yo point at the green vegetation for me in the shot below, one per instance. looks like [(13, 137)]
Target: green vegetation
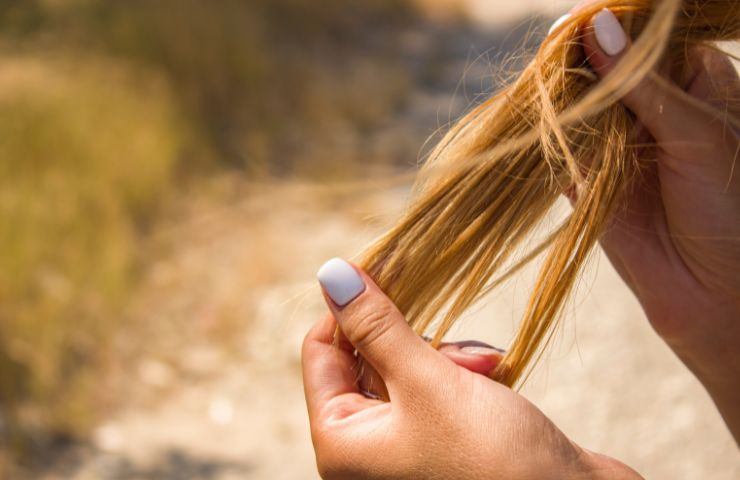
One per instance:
[(259, 79), (84, 160), (107, 108)]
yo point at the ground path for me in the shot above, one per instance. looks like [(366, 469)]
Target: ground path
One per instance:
[(609, 383)]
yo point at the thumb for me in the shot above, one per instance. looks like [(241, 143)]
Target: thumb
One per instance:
[(659, 104), (371, 322)]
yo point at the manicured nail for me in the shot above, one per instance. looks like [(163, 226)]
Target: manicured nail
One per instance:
[(483, 351), (558, 22), (341, 281), (609, 32), (369, 394)]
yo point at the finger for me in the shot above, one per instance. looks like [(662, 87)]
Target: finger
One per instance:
[(659, 104), (372, 384), (328, 371), (555, 26), (477, 357), (372, 323), (713, 78)]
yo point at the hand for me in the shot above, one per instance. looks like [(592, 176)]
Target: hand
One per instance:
[(478, 357), (442, 421), (676, 241)]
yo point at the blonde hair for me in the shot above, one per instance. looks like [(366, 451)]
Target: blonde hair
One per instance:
[(494, 176)]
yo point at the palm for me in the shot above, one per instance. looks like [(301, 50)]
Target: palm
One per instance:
[(675, 240)]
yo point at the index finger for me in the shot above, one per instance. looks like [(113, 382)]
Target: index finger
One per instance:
[(328, 369)]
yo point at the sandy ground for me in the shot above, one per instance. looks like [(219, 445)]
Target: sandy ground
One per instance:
[(609, 383)]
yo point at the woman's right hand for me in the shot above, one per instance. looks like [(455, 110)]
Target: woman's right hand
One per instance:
[(442, 421), (676, 241)]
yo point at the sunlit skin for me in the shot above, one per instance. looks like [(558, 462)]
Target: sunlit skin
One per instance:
[(675, 243), (443, 420)]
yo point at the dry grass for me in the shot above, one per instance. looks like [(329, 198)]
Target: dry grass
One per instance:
[(113, 110), (86, 159)]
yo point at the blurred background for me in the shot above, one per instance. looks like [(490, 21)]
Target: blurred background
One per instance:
[(173, 172)]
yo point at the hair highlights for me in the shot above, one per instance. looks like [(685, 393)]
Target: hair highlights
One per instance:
[(494, 176)]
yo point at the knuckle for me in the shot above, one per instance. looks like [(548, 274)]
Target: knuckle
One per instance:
[(305, 346), (333, 462), (308, 345), (329, 471), (313, 340), (431, 387), (349, 460), (371, 323)]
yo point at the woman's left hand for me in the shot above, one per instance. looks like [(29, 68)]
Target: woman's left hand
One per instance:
[(443, 420)]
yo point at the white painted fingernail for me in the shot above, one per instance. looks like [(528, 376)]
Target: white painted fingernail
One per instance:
[(558, 22), (609, 32), (341, 281), (485, 351)]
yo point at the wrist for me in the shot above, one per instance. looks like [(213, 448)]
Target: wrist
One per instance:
[(710, 351), (725, 393), (584, 464), (703, 332), (601, 467)]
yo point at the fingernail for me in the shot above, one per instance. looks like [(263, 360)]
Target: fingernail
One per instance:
[(483, 351), (369, 394), (609, 32), (341, 281), (558, 22)]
